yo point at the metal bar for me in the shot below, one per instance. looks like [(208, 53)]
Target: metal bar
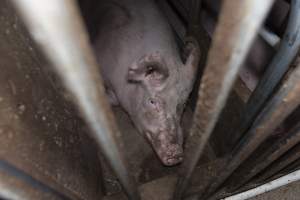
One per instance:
[(253, 184), (288, 49), (17, 185), (287, 179), (278, 108), (265, 159), (57, 27), (232, 40), (176, 23), (280, 164), (195, 12), (180, 8)]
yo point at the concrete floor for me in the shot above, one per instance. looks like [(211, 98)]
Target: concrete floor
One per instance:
[(288, 192)]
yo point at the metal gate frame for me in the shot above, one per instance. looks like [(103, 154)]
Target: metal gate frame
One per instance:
[(53, 27)]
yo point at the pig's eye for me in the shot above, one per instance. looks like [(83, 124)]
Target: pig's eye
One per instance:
[(153, 103), (150, 70)]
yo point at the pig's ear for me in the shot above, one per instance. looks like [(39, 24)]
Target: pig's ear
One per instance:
[(192, 51), (150, 74)]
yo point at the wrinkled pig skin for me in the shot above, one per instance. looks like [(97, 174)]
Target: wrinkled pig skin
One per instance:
[(143, 71)]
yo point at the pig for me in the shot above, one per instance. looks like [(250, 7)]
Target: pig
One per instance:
[(144, 73)]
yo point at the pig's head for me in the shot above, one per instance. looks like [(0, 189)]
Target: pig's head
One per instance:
[(161, 87)]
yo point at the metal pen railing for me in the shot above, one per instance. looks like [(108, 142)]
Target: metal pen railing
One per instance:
[(58, 29), (231, 42)]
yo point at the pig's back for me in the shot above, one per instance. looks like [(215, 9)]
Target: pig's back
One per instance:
[(128, 30)]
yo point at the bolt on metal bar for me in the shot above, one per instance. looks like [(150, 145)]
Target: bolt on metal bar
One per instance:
[(231, 42), (288, 49), (283, 103), (57, 27), (266, 158), (280, 164)]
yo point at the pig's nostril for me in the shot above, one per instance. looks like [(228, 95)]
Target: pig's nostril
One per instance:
[(173, 161)]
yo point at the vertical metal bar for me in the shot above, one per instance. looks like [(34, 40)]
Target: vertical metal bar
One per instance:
[(287, 51), (57, 27), (278, 108), (195, 12), (176, 23), (180, 8), (232, 40), (266, 158)]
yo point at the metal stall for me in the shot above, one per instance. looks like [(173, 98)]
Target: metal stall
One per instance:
[(60, 138)]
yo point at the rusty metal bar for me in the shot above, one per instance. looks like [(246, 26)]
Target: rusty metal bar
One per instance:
[(17, 185), (266, 158), (288, 49), (57, 27), (283, 103), (232, 40)]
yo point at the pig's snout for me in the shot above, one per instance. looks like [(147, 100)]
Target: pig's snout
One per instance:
[(172, 155), (169, 153)]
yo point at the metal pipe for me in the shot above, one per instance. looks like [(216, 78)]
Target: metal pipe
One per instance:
[(280, 164), (288, 49), (283, 103), (287, 179), (265, 159), (232, 40), (18, 185), (180, 8), (57, 27), (195, 10), (176, 23)]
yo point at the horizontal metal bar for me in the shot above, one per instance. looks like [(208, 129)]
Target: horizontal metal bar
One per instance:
[(17, 185), (232, 40), (283, 103), (288, 49), (265, 159), (292, 177), (280, 164), (57, 27)]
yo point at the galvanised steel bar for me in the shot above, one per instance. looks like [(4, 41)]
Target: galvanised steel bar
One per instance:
[(231, 42), (57, 27), (288, 49), (266, 158), (17, 185), (280, 164), (283, 103)]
